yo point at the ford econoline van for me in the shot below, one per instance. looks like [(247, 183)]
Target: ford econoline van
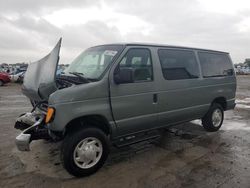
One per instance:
[(120, 94)]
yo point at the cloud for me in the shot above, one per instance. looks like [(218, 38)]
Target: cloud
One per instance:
[(39, 7), (29, 29)]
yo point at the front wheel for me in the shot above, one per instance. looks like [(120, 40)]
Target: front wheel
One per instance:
[(213, 120), (85, 151)]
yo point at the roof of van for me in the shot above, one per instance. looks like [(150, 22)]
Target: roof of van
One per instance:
[(165, 46)]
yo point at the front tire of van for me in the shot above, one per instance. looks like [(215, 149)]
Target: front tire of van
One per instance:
[(84, 151), (213, 120)]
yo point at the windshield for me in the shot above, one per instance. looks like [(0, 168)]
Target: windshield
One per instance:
[(94, 61)]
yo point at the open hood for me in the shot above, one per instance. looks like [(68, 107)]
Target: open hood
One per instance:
[(39, 80)]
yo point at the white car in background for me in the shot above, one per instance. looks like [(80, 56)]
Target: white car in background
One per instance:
[(247, 70), (16, 77)]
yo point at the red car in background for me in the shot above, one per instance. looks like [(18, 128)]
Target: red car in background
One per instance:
[(4, 78)]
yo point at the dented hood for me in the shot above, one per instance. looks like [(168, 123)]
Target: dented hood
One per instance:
[(39, 80)]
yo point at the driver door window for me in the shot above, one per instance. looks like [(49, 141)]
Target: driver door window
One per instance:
[(140, 61)]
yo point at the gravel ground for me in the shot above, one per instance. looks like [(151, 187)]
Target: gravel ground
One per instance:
[(186, 157)]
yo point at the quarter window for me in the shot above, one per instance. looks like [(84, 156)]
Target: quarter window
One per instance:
[(178, 64), (140, 61), (215, 64)]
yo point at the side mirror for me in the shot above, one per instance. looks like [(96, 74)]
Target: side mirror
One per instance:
[(124, 75)]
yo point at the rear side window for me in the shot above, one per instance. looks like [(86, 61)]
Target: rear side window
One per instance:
[(215, 64), (138, 59), (178, 64)]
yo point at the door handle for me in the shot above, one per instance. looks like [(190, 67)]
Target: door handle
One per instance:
[(155, 98)]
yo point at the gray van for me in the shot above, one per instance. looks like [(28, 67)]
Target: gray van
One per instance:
[(120, 94)]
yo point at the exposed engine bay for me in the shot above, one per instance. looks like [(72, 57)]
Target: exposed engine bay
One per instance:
[(64, 81)]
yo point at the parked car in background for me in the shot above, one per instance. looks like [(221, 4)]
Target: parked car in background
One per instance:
[(246, 70), (4, 78), (16, 77), (21, 77), (242, 70), (59, 71)]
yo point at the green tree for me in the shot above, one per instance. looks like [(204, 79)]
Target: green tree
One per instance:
[(247, 62)]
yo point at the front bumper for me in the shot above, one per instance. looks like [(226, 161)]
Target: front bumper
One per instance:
[(35, 132), (23, 140)]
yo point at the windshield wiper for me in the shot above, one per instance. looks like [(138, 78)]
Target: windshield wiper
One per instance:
[(80, 75)]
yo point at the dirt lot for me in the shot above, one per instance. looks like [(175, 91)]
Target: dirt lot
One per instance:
[(188, 157)]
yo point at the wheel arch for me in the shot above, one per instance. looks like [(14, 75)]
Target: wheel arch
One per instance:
[(96, 120), (222, 101)]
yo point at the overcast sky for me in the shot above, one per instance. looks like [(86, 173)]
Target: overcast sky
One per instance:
[(30, 28)]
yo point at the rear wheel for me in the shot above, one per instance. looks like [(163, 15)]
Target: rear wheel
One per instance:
[(85, 151), (213, 120), (1, 83)]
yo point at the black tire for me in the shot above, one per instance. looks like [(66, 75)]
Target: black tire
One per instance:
[(207, 120), (1, 83), (72, 140)]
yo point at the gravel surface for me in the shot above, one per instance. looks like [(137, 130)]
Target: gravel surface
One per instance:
[(185, 156)]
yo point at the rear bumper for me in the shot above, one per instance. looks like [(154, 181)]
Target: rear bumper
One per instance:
[(231, 104)]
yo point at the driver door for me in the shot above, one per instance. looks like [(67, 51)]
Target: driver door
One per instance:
[(134, 105)]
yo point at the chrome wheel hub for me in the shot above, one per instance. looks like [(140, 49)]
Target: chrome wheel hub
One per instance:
[(217, 117), (88, 152)]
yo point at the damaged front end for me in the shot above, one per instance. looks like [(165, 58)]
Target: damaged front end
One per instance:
[(33, 126), (39, 83)]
